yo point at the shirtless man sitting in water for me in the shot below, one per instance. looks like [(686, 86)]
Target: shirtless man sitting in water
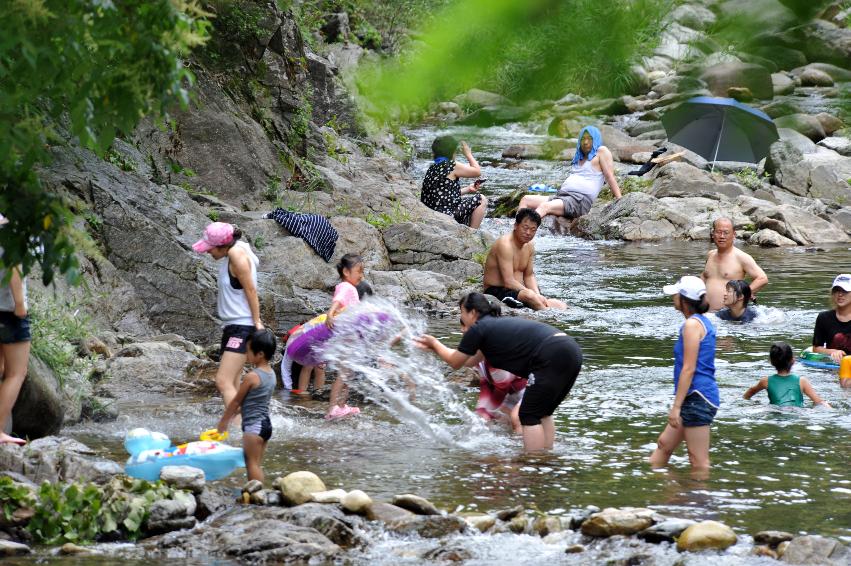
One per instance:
[(509, 268), (726, 263)]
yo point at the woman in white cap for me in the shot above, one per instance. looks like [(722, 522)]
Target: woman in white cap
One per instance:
[(238, 304), (696, 398), (832, 334), (14, 342)]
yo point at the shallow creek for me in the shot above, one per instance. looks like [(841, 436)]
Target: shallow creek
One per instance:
[(771, 469)]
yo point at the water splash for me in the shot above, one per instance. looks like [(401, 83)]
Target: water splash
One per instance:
[(372, 344)]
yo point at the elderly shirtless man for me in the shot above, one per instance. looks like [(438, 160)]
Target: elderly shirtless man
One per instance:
[(726, 263), (509, 268)]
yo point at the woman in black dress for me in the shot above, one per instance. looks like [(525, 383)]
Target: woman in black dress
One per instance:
[(442, 189)]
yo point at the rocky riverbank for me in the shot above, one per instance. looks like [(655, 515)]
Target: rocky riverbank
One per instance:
[(83, 500)]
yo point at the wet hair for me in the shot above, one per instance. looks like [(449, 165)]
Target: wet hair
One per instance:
[(263, 342), (444, 146), (479, 303), (781, 356), (741, 288), (364, 289), (700, 306), (525, 213), (348, 261)]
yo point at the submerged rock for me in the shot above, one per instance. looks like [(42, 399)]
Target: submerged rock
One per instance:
[(706, 535), (297, 488), (416, 504)]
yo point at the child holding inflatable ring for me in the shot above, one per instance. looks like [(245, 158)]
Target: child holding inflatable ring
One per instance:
[(252, 398), (346, 294)]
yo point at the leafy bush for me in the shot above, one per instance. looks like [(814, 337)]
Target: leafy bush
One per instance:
[(56, 327), (13, 497), (750, 179)]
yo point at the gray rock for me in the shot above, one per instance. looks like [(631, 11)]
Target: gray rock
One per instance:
[(209, 502), (829, 122), (772, 538), (621, 145), (252, 486), (265, 497), (478, 98), (55, 459), (681, 179), (770, 239), (842, 218), (336, 27), (824, 41), (171, 514), (415, 504), (413, 243), (722, 76), (781, 83), (151, 366), (799, 141), (453, 553), (815, 77), (666, 531), (38, 410), (812, 549), (429, 526), (804, 124), (10, 548), (387, 513), (184, 477), (576, 517), (840, 145), (801, 226), (694, 16), (838, 74), (269, 540), (623, 521), (327, 519)]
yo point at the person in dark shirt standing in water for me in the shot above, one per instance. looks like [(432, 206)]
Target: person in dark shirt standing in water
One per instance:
[(548, 357), (832, 334)]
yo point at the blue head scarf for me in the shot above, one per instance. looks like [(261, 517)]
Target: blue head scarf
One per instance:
[(596, 142)]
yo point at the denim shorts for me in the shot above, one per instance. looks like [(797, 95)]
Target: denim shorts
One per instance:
[(14, 329), (696, 411)]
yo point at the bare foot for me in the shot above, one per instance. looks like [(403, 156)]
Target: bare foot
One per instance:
[(6, 439)]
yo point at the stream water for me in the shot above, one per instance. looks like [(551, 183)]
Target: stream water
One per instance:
[(770, 470)]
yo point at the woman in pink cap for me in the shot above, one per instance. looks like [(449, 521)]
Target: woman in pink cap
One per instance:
[(14, 342), (238, 305)]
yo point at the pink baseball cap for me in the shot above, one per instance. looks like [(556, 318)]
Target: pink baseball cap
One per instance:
[(216, 234)]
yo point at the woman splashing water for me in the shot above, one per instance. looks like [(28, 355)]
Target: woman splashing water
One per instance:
[(549, 358)]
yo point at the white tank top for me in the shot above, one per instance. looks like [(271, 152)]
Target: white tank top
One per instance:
[(233, 304), (584, 179)]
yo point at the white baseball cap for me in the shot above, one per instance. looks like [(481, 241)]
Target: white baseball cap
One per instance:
[(843, 281), (3, 220), (688, 286)]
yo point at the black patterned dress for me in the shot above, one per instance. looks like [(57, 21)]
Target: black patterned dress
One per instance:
[(443, 194)]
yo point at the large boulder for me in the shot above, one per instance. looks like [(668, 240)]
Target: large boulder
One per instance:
[(719, 78), (838, 74), (840, 145), (812, 549), (781, 83), (153, 367), (706, 535), (38, 410), (815, 77), (825, 41), (768, 238), (56, 459), (410, 243), (805, 124), (622, 145), (800, 226), (681, 179), (823, 174)]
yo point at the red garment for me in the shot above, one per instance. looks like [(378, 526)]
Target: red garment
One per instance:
[(499, 389)]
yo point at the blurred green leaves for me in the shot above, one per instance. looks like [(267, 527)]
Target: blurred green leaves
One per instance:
[(96, 67), (535, 49)]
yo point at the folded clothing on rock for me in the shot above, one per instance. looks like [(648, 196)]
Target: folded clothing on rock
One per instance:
[(314, 229)]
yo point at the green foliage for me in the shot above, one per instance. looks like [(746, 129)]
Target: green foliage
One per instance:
[(213, 215), (121, 161), (382, 220), (259, 242), (535, 49), (66, 513), (57, 326), (628, 184), (13, 496), (480, 258), (750, 179), (96, 67), (179, 169), (80, 512)]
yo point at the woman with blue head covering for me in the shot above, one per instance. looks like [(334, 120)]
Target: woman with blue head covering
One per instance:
[(592, 166)]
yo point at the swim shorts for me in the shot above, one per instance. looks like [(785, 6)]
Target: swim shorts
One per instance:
[(235, 338), (14, 329), (554, 369), (503, 293), (696, 411), (575, 204), (261, 428)]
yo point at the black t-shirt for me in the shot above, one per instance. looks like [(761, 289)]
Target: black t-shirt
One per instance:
[(829, 330), (508, 343), (748, 315)]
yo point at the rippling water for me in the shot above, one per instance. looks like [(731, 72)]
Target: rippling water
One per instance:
[(784, 470)]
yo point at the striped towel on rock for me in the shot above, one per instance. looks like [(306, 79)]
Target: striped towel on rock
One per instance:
[(314, 229)]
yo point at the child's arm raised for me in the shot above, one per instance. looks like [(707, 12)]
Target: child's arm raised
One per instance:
[(760, 385), (809, 391), (249, 382)]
